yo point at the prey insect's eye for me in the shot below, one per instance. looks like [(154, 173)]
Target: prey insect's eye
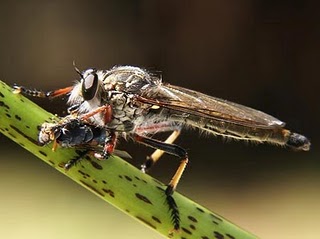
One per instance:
[(89, 86)]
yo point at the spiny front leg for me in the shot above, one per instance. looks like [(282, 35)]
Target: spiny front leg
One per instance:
[(182, 154), (41, 94)]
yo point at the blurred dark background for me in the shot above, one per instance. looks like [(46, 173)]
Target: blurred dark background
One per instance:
[(264, 54)]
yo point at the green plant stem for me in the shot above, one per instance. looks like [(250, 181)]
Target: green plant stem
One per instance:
[(114, 180)]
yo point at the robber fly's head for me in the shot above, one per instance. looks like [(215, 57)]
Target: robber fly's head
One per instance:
[(87, 89), (89, 84)]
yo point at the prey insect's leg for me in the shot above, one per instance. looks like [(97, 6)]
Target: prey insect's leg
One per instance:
[(156, 155), (54, 146), (75, 160), (182, 154)]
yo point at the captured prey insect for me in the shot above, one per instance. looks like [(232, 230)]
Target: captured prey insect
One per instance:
[(71, 132), (138, 104)]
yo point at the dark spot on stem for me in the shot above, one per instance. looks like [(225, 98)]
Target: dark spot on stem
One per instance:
[(84, 174), (191, 218), (128, 178), (109, 192), (13, 136), (146, 222), (215, 217), (156, 219), (186, 230), (143, 198), (231, 237), (2, 104), (157, 181), (96, 165), (18, 117), (43, 153), (161, 189), (24, 135), (61, 165), (200, 210), (218, 235), (91, 188), (192, 227)]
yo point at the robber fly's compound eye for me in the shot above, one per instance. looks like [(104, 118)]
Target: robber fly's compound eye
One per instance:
[(89, 86)]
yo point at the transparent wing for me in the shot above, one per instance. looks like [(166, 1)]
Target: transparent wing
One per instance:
[(199, 104)]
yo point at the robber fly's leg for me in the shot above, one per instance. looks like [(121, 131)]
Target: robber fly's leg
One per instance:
[(109, 146), (107, 113), (156, 128), (156, 155), (73, 109), (41, 94), (182, 154), (75, 160)]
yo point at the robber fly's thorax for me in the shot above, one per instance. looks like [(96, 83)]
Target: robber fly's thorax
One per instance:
[(125, 112), (125, 79), (118, 88)]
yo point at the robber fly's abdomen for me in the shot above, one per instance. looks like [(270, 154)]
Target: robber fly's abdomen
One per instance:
[(273, 135)]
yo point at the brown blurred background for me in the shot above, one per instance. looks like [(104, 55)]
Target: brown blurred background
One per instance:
[(264, 54)]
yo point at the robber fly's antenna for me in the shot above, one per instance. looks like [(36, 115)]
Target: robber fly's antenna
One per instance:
[(76, 68)]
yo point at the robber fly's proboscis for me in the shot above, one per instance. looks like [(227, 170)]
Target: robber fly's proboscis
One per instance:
[(129, 101)]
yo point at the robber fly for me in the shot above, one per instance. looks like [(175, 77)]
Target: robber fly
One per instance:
[(130, 100)]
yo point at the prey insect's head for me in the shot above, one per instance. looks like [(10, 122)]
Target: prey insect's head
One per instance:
[(48, 133)]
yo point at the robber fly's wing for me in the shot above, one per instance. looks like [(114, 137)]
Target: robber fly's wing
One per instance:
[(199, 104)]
